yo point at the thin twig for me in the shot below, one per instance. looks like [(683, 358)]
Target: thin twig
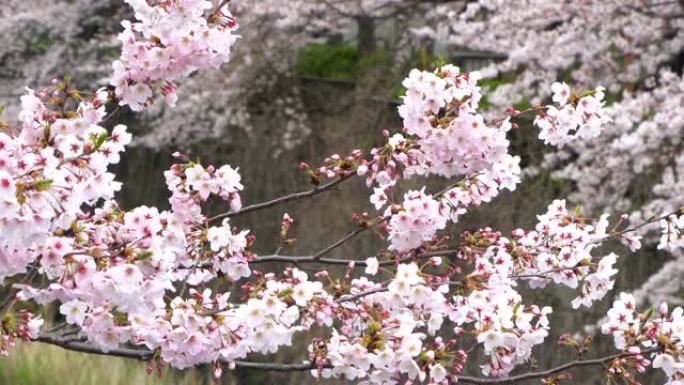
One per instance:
[(283, 199), (550, 372), (338, 243)]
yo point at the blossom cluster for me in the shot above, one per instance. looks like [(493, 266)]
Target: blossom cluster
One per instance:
[(418, 220), (563, 243), (488, 306), (448, 136), (507, 328), (336, 165), (210, 329), (140, 276), (444, 133), (170, 40), (391, 332), (111, 269), (573, 117), (23, 326), (672, 232), (559, 250), (645, 135), (205, 327), (55, 163), (440, 112), (659, 332)]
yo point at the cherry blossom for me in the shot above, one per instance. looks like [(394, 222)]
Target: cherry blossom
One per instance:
[(136, 280), (672, 232), (584, 118), (169, 41), (418, 220), (660, 333), (371, 266)]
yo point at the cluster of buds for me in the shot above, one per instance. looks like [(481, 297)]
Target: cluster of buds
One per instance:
[(22, 325), (285, 225), (580, 345), (335, 166), (624, 368)]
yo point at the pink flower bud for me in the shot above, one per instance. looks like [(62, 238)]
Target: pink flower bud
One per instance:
[(218, 371), (235, 202), (662, 309)]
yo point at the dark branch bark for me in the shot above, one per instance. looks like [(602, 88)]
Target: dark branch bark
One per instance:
[(145, 355), (338, 243), (85, 347), (336, 261), (547, 373), (286, 198)]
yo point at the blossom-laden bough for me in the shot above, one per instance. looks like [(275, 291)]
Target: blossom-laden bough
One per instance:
[(134, 283)]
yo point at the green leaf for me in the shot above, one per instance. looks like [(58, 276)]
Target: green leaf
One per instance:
[(42, 184), (143, 255), (99, 141)]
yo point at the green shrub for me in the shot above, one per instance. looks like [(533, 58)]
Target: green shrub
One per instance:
[(338, 61)]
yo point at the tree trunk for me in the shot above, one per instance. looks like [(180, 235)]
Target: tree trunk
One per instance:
[(366, 35)]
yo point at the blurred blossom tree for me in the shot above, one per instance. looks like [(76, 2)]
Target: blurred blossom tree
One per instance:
[(150, 284)]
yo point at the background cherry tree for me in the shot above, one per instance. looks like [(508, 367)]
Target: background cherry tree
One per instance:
[(152, 284)]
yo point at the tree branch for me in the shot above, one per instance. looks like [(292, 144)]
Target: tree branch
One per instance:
[(85, 347), (550, 372), (338, 243), (141, 354), (358, 263), (145, 355), (286, 198)]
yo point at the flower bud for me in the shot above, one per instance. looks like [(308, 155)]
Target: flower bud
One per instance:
[(634, 350), (662, 309)]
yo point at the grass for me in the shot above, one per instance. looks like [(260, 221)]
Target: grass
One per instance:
[(338, 61), (40, 364)]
